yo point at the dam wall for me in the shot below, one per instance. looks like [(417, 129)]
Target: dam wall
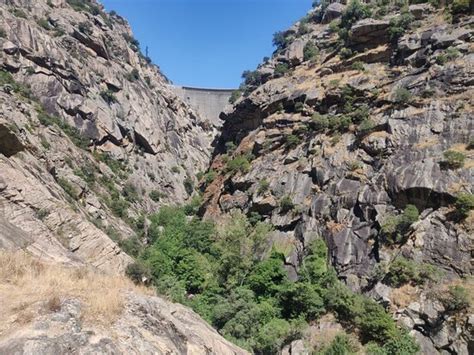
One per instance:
[(208, 103)]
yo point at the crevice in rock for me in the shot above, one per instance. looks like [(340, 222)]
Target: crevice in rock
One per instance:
[(141, 142), (422, 198), (288, 227), (10, 144)]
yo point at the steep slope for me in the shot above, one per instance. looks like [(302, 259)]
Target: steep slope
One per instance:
[(359, 131), (92, 135), (51, 309), (92, 139)]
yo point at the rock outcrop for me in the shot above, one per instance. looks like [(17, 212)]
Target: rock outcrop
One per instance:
[(347, 139), (148, 325), (54, 309)]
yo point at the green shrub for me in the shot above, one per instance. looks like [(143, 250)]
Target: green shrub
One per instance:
[(360, 114), (292, 141), (130, 193), (402, 271), (247, 295), (464, 204), (87, 173), (263, 186), (286, 204), (209, 177), (342, 344), (188, 184), (441, 59), (273, 335), (334, 26), (108, 96), (401, 343), (452, 53), (345, 53), (334, 83), (74, 134), (267, 276), (310, 51), (7, 79), (398, 25), (192, 208), (236, 94), (402, 95), (281, 40), (230, 147), (19, 13), (281, 69), (453, 159), (137, 272), (252, 78), (68, 188), (456, 299), (135, 44), (366, 125), (78, 5), (131, 246), (319, 122), (239, 164), (46, 145), (395, 227), (118, 167), (134, 75), (118, 206), (85, 27), (354, 12), (301, 299), (44, 23), (155, 195), (175, 169), (42, 213), (3, 33), (460, 7), (303, 29), (299, 107), (358, 65)]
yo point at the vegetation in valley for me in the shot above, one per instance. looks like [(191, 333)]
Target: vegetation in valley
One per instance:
[(227, 275)]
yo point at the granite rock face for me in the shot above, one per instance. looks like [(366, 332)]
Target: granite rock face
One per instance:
[(88, 129), (351, 142), (148, 325)]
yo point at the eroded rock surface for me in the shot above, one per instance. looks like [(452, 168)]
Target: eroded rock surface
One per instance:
[(147, 325), (351, 138), (89, 130)]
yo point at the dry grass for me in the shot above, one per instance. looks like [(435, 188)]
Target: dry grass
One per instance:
[(404, 295), (29, 287), (427, 143)]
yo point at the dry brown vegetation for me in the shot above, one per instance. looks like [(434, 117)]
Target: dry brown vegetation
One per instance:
[(29, 287)]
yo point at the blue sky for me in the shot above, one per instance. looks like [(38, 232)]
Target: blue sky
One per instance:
[(208, 43)]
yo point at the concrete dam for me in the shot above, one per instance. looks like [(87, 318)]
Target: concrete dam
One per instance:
[(208, 103)]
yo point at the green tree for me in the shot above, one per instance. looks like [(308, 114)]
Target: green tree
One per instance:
[(464, 204), (267, 276)]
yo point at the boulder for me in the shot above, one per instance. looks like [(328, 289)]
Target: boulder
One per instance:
[(294, 53), (369, 32), (333, 11), (420, 11)]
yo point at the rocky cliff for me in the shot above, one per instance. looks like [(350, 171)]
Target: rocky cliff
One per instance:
[(92, 138), (92, 135), (359, 131)]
